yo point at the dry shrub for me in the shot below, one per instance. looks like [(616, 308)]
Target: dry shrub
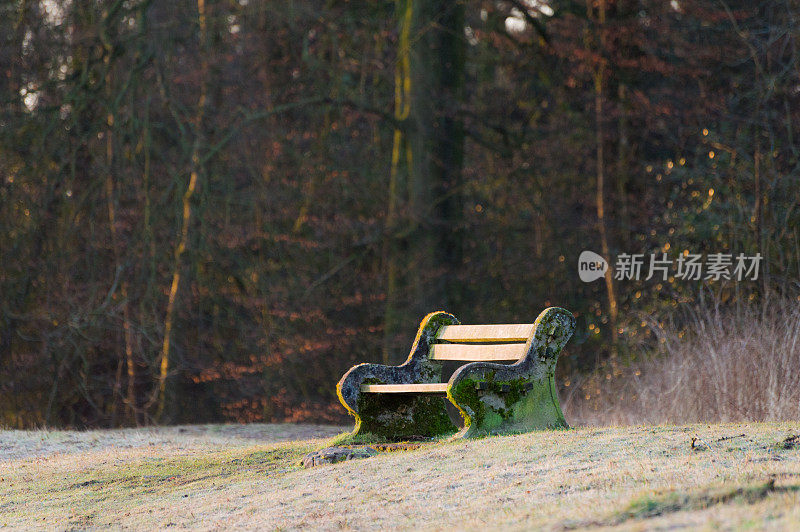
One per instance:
[(740, 364)]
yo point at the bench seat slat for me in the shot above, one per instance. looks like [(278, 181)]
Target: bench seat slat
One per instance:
[(477, 353), (439, 387), (510, 332)]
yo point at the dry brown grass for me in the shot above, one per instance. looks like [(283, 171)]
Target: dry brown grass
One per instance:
[(735, 476), (177, 440), (736, 365)]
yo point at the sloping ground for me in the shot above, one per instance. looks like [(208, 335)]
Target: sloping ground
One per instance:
[(698, 476)]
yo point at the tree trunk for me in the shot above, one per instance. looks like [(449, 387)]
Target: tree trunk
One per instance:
[(600, 176), (429, 88), (391, 247), (183, 238), (436, 138)]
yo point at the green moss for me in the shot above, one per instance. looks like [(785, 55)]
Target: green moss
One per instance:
[(515, 405), (465, 396), (655, 504), (395, 417), (349, 438)]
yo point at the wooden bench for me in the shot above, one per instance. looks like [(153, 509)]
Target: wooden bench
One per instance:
[(507, 383)]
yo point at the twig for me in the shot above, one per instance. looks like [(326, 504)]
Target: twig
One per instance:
[(730, 437)]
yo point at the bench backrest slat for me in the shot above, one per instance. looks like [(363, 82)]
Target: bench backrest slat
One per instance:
[(511, 332), (478, 352)]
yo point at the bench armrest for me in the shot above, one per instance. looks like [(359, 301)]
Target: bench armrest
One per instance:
[(533, 372), (417, 369)]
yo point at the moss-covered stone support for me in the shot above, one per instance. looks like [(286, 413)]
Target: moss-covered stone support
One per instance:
[(399, 416), (492, 398), (498, 398)]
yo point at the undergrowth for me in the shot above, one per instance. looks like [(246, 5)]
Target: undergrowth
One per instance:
[(735, 364)]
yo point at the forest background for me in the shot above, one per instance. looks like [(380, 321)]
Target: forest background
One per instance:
[(211, 209)]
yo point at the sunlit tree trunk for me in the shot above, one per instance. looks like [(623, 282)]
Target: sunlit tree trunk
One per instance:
[(599, 79), (183, 237)]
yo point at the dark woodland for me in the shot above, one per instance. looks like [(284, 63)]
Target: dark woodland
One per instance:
[(211, 209)]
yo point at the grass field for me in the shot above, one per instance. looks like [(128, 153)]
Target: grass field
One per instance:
[(698, 476)]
